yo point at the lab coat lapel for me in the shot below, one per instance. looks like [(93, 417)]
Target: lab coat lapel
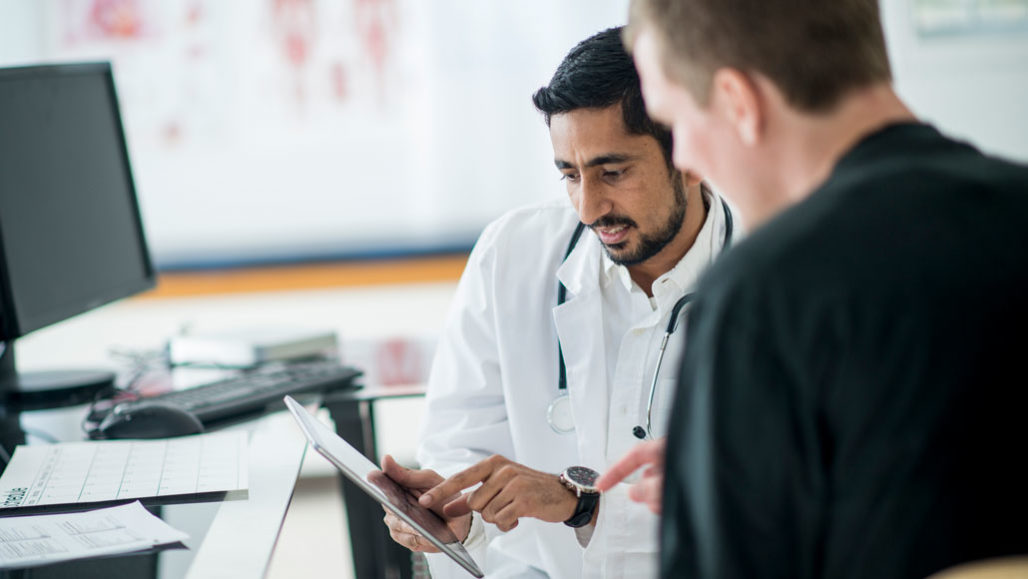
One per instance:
[(579, 323)]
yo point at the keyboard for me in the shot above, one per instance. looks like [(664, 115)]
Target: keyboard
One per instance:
[(255, 390)]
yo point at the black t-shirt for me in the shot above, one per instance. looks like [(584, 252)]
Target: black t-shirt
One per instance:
[(854, 398)]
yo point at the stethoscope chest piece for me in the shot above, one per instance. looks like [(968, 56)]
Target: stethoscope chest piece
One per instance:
[(558, 414)]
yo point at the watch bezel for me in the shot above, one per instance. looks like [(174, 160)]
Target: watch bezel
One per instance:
[(581, 479)]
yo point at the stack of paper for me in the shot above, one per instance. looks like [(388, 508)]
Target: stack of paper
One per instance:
[(41, 539)]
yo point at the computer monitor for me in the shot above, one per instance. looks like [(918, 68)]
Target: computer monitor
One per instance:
[(71, 236)]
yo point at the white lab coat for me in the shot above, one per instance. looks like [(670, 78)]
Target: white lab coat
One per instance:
[(495, 374)]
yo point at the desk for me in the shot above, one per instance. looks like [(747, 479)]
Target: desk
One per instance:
[(356, 314), (227, 539)]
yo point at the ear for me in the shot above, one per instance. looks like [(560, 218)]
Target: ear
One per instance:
[(691, 179), (737, 98)]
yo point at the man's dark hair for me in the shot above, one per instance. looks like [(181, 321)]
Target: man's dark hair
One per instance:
[(596, 74), (814, 51)]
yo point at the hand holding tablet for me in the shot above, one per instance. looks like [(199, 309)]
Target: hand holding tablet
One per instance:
[(369, 478), (416, 482)]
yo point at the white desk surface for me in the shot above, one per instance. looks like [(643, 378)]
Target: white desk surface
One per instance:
[(355, 313)]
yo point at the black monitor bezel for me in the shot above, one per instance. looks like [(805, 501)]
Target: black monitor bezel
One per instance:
[(11, 327)]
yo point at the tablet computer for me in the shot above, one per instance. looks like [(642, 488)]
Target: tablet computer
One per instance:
[(366, 475)]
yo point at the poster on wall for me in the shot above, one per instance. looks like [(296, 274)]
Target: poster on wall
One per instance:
[(185, 65), (293, 130), (258, 128)]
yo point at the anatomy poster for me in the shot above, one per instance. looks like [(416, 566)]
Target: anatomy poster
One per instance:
[(292, 129)]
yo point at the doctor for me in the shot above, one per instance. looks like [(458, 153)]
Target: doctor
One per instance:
[(524, 390)]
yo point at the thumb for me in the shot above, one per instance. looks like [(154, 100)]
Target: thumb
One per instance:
[(411, 479), (393, 469)]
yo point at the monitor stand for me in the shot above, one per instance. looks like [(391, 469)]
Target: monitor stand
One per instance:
[(49, 389)]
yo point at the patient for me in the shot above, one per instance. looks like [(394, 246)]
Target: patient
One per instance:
[(852, 400)]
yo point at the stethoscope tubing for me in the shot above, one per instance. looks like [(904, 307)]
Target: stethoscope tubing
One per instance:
[(672, 325)]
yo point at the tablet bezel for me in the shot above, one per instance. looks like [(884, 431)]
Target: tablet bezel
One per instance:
[(320, 436)]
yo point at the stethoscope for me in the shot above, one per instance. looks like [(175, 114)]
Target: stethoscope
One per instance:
[(558, 414)]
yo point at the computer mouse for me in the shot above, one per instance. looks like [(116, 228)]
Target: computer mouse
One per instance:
[(148, 420)]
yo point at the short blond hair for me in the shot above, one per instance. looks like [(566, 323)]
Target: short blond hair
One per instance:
[(814, 51)]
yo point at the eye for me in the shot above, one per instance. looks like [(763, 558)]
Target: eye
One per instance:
[(613, 174), (570, 177)]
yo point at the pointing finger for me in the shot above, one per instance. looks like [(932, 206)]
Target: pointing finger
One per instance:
[(458, 507), (456, 483), (650, 452)]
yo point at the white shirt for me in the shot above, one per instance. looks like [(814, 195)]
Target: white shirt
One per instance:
[(495, 374)]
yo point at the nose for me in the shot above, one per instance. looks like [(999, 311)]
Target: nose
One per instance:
[(592, 202)]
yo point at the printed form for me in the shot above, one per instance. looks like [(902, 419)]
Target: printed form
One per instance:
[(39, 539), (110, 470)]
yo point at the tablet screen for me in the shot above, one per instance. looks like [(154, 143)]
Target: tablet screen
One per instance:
[(366, 475)]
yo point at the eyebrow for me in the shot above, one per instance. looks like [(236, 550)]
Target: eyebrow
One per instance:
[(611, 159)]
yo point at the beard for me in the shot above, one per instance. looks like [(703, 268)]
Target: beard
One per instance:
[(650, 244)]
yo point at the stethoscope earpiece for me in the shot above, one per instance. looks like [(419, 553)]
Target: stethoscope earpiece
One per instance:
[(639, 432)]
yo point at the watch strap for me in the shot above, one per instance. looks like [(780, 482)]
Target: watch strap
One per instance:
[(587, 503)]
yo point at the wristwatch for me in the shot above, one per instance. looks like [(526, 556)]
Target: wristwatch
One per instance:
[(581, 481)]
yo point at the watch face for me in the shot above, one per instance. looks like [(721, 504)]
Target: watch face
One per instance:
[(584, 477)]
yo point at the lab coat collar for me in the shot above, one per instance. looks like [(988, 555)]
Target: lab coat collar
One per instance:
[(580, 273), (579, 323)]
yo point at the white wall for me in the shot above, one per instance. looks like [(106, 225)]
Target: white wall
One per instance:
[(971, 85), (241, 155), (20, 31)]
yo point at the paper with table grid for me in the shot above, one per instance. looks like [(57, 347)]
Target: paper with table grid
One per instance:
[(111, 470)]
